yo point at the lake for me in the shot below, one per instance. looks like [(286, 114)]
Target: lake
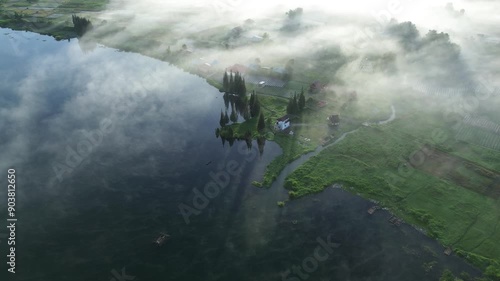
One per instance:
[(113, 148)]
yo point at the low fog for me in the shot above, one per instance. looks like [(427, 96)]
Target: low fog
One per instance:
[(381, 49), (443, 52), (447, 44)]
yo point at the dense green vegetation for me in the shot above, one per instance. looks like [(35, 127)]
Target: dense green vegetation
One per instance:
[(292, 149), (297, 103), (374, 162)]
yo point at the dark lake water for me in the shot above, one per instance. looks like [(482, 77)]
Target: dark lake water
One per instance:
[(110, 146)]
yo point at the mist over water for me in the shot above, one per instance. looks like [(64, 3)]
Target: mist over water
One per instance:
[(106, 211), (143, 130)]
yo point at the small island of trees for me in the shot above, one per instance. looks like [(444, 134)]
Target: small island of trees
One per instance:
[(238, 104)]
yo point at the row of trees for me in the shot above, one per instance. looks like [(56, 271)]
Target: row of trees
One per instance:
[(293, 14), (225, 118), (297, 103), (234, 89), (234, 84), (261, 124), (227, 135), (238, 105), (254, 105)]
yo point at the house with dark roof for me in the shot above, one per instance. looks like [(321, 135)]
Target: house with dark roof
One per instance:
[(334, 120), (282, 123), (316, 87)]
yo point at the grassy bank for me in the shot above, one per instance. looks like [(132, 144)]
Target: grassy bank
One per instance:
[(374, 162)]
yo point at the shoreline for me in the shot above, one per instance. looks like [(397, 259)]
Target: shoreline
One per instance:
[(214, 83)]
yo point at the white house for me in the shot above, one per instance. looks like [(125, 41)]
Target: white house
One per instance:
[(282, 123)]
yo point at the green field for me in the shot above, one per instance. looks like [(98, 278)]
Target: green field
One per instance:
[(450, 204)]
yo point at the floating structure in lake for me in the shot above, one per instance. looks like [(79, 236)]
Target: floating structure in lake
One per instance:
[(448, 251), (373, 209), (396, 221), (161, 239)]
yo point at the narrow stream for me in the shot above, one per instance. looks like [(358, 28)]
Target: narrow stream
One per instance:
[(280, 180)]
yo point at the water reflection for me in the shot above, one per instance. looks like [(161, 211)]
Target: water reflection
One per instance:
[(160, 147), (239, 108), (87, 44)]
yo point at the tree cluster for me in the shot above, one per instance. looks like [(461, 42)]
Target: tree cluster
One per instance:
[(234, 84), (252, 109), (81, 25), (435, 43), (261, 125), (235, 96), (293, 14), (254, 105), (224, 119), (18, 16), (296, 104)]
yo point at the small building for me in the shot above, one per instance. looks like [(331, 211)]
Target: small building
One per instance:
[(321, 104), (334, 120), (316, 87), (241, 69), (282, 123)]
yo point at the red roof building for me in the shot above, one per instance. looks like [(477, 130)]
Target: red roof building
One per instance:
[(238, 68)]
